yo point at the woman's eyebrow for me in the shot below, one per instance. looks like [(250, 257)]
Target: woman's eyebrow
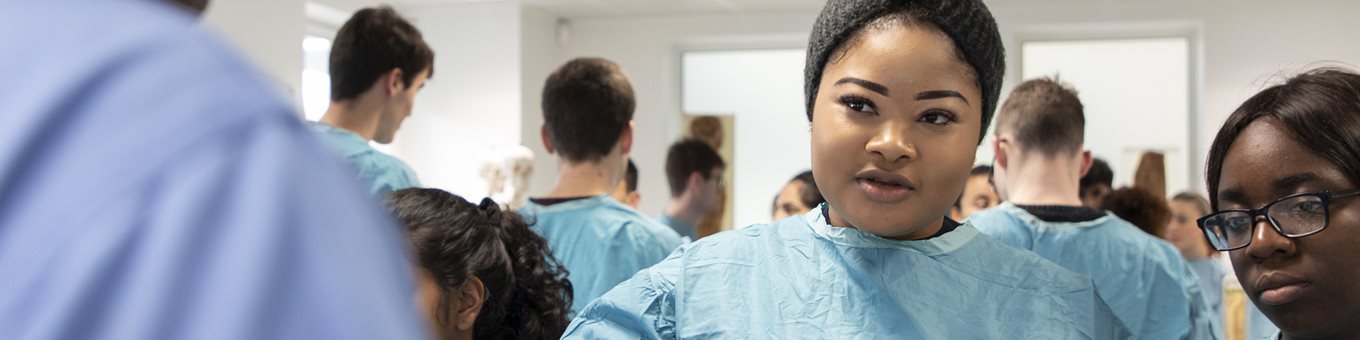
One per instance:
[(871, 86), (1284, 184), (928, 95), (1292, 181), (1233, 195)]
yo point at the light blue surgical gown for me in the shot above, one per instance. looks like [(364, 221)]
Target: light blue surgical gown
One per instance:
[(381, 172), (1210, 273), (683, 228), (151, 187), (800, 278), (601, 242), (1258, 325), (1144, 280)]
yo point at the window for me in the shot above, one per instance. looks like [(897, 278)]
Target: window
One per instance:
[(316, 79)]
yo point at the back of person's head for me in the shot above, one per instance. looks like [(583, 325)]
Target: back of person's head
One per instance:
[(1045, 116), (686, 157), (373, 42), (587, 105), (1141, 208), (527, 295)]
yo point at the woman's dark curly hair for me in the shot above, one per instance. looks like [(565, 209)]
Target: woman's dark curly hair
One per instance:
[(527, 292)]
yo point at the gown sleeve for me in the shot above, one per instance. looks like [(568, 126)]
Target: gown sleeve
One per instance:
[(642, 307)]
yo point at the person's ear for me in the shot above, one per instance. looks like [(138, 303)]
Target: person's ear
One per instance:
[(1085, 162), (955, 214), (547, 142), (695, 180), (626, 140), (999, 152), (472, 294), (392, 81)]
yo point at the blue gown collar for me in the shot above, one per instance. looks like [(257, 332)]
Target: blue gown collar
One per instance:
[(1020, 213), (852, 237), (571, 205)]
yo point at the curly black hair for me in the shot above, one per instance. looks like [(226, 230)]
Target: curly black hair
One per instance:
[(527, 292)]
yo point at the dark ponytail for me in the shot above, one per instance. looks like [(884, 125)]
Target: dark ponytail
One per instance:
[(527, 292)]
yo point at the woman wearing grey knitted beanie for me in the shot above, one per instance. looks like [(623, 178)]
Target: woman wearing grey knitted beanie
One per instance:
[(898, 95)]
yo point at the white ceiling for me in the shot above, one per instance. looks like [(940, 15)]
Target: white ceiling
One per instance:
[(623, 8), (627, 8)]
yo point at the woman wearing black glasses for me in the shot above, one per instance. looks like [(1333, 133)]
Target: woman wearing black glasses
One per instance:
[(1282, 177)]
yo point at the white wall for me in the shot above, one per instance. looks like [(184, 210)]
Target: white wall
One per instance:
[(1238, 43), (540, 55), (472, 103), (269, 33)]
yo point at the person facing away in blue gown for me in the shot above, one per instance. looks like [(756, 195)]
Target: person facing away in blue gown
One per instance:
[(1038, 169), (152, 186), (1283, 175), (378, 62), (588, 122), (898, 96)]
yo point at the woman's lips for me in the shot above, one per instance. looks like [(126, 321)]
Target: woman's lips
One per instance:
[(882, 186), (1278, 289)]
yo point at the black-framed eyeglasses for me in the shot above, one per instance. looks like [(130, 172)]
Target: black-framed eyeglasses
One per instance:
[(1293, 216)]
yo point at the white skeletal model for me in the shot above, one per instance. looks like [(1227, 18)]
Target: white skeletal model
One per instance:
[(507, 174)]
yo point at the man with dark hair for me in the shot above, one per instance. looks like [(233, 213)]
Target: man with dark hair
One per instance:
[(152, 186), (1096, 184), (1039, 164), (694, 172), (978, 194), (378, 63), (627, 190), (588, 122)]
